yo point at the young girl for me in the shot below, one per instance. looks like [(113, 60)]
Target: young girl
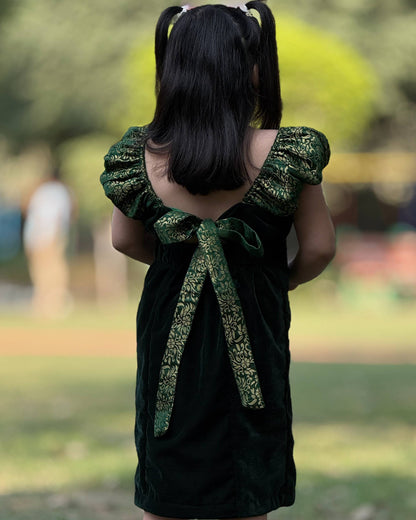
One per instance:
[(206, 194)]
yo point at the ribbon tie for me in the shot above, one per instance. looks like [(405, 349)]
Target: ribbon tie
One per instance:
[(178, 226)]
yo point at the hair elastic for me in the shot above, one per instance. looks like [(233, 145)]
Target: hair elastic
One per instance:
[(242, 7), (185, 9)]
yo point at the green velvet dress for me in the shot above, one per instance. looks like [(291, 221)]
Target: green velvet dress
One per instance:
[(213, 427)]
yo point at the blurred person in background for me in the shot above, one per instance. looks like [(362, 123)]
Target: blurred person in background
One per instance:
[(48, 216)]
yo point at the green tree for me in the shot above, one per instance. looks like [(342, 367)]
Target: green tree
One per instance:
[(383, 32), (62, 63)]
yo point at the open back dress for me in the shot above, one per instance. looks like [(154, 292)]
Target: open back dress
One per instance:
[(213, 427)]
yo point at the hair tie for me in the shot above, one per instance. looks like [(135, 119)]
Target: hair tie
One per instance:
[(243, 8), (185, 9)]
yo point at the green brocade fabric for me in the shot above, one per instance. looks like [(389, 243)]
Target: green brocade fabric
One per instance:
[(178, 226), (297, 156), (213, 428)]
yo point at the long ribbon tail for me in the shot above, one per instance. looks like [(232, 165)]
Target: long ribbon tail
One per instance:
[(235, 329), (178, 335)]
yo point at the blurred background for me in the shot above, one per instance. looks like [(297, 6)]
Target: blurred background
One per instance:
[(73, 77)]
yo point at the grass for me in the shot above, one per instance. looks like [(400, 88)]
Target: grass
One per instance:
[(334, 331), (333, 320), (67, 445), (67, 450), (82, 316)]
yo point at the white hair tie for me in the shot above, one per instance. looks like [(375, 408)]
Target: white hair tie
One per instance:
[(185, 9), (242, 7)]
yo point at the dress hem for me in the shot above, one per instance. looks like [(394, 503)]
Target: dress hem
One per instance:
[(205, 512)]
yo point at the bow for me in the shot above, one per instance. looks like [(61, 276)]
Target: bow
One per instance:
[(208, 258)]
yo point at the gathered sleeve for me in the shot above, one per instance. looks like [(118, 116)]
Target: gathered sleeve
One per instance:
[(297, 157), (124, 178), (307, 153)]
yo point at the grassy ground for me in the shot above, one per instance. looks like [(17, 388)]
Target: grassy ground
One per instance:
[(67, 445), (324, 329), (67, 411)]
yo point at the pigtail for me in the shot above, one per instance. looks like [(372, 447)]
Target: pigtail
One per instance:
[(269, 107), (161, 40)]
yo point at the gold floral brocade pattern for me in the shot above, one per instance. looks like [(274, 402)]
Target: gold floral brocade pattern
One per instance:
[(297, 156), (124, 179), (208, 258)]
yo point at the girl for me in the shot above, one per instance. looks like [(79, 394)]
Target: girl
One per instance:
[(206, 194)]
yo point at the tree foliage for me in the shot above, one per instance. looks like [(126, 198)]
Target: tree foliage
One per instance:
[(383, 32), (62, 64), (325, 83)]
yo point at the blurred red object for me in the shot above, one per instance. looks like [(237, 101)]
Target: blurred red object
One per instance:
[(378, 255)]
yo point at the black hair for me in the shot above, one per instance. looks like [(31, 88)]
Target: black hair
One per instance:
[(206, 99)]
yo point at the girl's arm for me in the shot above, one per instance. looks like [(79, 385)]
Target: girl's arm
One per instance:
[(316, 236), (129, 237)]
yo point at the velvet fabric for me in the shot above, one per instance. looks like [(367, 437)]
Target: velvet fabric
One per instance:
[(217, 458)]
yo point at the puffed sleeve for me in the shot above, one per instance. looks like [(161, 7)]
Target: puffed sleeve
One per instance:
[(297, 157), (124, 178), (306, 151)]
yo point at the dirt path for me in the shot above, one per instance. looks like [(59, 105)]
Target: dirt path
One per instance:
[(121, 343)]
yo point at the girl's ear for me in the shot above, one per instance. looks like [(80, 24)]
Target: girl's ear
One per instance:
[(256, 81)]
